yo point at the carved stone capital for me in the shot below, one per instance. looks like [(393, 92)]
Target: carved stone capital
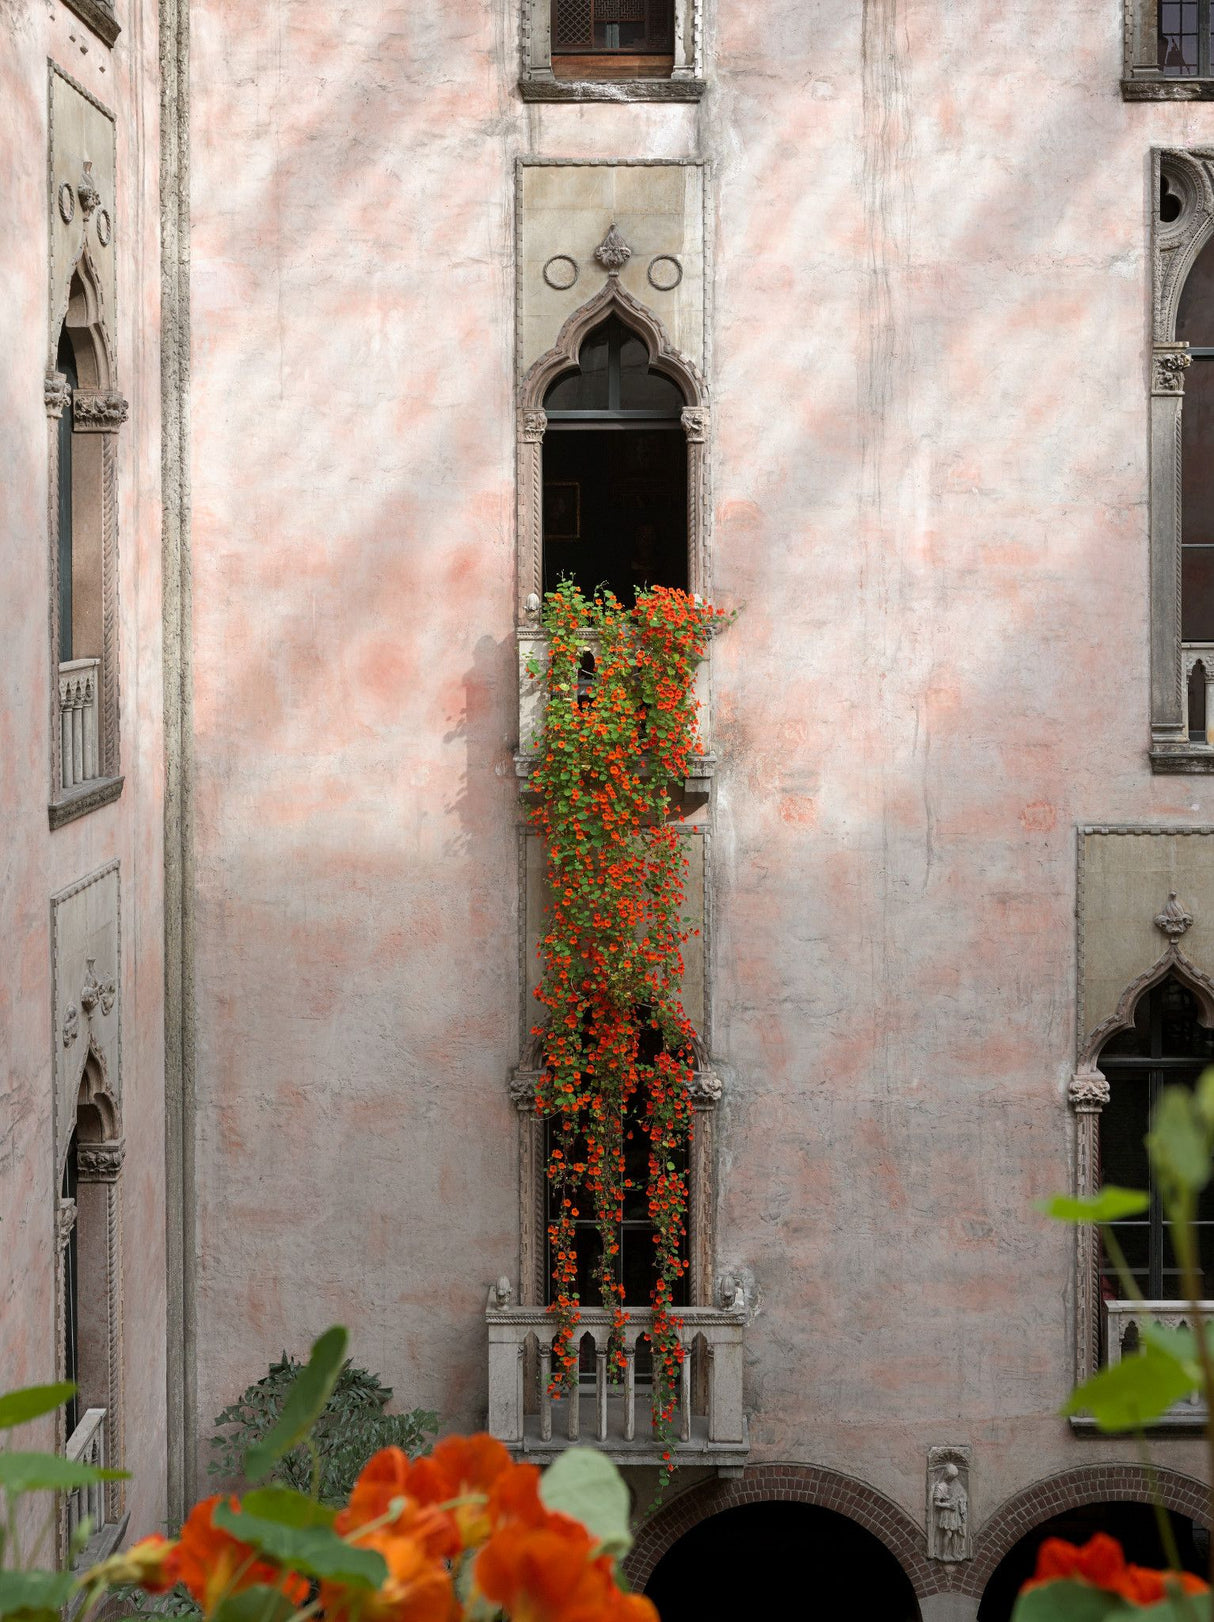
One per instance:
[(1174, 919), (65, 1221), (522, 1088), (1168, 369), (56, 393), (705, 1089), (97, 411), (695, 424), (1089, 1090), (100, 1162), (613, 253), (534, 424)]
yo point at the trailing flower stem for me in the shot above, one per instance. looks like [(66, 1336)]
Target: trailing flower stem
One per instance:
[(615, 1035)]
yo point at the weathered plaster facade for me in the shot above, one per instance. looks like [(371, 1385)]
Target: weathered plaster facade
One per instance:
[(81, 884), (915, 261)]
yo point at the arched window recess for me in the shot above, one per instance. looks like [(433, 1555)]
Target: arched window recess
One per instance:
[(612, 429), (84, 411)]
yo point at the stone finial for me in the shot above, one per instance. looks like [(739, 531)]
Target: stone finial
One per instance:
[(731, 1292), (1174, 919), (948, 1504), (613, 253), (95, 991)]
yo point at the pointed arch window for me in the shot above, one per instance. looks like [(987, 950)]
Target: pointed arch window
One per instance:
[(615, 470), (1168, 1045)]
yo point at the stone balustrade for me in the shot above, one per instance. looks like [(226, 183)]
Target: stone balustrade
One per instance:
[(709, 1423), (87, 1445), (79, 688), (1124, 1322)]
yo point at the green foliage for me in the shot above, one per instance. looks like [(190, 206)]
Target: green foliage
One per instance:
[(34, 1593), (1110, 1205), (256, 1604), (1065, 1601), (584, 1484), (303, 1405), (1134, 1392), (351, 1426), (313, 1551), (46, 1472), (19, 1407), (1179, 1146)]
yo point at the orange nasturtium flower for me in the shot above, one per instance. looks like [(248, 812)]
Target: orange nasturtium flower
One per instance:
[(212, 1563), (151, 1564), (1102, 1563), (463, 1468)]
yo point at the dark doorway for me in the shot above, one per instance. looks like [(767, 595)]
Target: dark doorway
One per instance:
[(780, 1560), (615, 471), (1133, 1525)]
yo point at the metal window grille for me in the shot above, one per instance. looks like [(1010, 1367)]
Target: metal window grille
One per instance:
[(635, 26)]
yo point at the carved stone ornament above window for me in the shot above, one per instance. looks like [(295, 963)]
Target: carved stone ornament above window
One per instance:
[(613, 253), (1173, 920)]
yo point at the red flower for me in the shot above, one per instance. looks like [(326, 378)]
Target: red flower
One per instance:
[(1101, 1563), (213, 1564)]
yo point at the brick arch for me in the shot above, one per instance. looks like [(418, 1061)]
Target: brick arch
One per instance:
[(1072, 1489), (787, 1483)]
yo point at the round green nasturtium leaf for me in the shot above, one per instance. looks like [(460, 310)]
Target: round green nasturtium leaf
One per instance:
[(585, 1485)]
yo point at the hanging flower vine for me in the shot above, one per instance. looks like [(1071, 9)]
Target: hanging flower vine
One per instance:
[(613, 742)]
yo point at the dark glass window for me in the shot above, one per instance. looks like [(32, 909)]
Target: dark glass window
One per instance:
[(1195, 326), (1184, 38), (644, 27), (1167, 1046), (71, 1294), (65, 361), (615, 470)]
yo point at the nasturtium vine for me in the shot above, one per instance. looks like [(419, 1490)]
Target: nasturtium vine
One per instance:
[(614, 741)]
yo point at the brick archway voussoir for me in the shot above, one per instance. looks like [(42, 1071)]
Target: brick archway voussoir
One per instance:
[(787, 1483), (1072, 1489)]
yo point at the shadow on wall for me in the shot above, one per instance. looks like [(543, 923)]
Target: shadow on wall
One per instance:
[(1133, 1525), (779, 1559)]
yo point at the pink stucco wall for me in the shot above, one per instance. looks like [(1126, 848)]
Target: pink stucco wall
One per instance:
[(36, 863), (929, 472)]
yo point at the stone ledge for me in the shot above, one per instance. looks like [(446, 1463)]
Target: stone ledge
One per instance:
[(83, 800), (98, 16), (1167, 89), (1188, 759), (612, 89)]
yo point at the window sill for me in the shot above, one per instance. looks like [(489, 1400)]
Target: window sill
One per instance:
[(102, 791), (612, 89), (1167, 89), (100, 18), (1186, 1419)]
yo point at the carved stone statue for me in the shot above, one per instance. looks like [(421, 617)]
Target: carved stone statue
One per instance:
[(948, 1503)]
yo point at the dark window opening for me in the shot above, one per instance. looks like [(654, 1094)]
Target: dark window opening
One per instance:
[(615, 471), (1195, 326), (585, 27), (1167, 1046), (65, 361), (1169, 203), (71, 1292), (1184, 38), (1197, 704)]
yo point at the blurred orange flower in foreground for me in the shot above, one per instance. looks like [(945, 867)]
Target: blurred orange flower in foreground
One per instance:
[(212, 1563), (1102, 1563)]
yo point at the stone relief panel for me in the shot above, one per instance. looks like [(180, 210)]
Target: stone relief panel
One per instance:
[(83, 176), (573, 224), (948, 1504), (86, 982), (1140, 898)]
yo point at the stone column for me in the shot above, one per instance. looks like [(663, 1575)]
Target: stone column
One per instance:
[(530, 509), (695, 426), (1167, 677), (99, 1274), (701, 1214), (949, 1608), (1088, 1094)]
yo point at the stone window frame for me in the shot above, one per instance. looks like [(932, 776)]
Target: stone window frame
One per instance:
[(611, 299), (99, 15), (704, 1289), (1088, 1093), (537, 82), (1175, 245), (1141, 78), (99, 410)]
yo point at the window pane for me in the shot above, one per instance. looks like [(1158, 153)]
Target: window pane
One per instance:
[(1123, 1126), (1197, 503), (1195, 315), (641, 389), (1183, 1034), (1178, 56)]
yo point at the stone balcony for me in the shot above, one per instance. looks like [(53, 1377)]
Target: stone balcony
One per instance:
[(1123, 1322), (79, 683), (710, 1425)]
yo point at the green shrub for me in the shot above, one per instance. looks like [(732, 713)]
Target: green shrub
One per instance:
[(352, 1427)]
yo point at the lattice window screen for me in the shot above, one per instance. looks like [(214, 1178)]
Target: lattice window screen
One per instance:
[(579, 25)]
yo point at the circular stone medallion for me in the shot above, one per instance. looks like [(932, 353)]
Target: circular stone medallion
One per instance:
[(665, 273), (561, 272)]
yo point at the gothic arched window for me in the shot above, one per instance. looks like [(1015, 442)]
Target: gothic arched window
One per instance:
[(1167, 1046), (1195, 326), (615, 470)]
